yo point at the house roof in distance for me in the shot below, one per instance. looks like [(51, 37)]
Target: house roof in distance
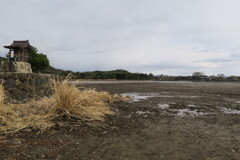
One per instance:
[(19, 45)]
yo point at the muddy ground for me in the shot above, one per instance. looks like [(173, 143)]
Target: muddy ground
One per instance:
[(166, 120)]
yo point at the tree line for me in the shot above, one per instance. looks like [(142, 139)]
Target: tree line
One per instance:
[(114, 74)]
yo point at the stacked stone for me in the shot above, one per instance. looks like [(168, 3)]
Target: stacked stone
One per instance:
[(24, 86)]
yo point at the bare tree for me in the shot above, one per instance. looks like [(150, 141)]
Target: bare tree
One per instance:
[(221, 75)]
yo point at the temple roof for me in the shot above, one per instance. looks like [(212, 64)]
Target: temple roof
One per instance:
[(19, 45)]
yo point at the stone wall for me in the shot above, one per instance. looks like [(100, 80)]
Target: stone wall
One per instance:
[(22, 67), (24, 86)]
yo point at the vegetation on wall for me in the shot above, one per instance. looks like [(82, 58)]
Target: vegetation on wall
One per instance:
[(37, 60)]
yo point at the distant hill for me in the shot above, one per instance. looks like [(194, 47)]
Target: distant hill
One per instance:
[(118, 74), (52, 70)]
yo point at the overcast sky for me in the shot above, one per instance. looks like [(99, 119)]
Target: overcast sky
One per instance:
[(173, 37)]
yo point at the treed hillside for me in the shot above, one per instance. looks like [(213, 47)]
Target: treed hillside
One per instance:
[(114, 74)]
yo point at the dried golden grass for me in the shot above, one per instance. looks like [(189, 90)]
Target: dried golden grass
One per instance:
[(85, 105), (67, 100), (2, 95), (34, 114)]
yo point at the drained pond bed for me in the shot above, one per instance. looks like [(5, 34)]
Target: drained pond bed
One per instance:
[(162, 121)]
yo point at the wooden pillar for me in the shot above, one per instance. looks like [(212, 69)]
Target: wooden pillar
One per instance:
[(10, 67), (21, 55)]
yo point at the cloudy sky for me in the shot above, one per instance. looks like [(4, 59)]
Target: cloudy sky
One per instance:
[(173, 37)]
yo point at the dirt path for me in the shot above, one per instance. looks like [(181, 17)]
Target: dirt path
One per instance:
[(179, 121)]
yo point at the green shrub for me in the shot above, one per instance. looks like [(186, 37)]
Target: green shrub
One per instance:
[(37, 60)]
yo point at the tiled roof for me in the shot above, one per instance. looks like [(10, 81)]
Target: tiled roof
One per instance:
[(19, 44)]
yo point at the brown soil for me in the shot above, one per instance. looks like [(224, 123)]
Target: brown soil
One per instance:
[(181, 121)]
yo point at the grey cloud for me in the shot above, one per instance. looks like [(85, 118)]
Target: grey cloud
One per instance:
[(137, 35), (235, 55), (219, 60)]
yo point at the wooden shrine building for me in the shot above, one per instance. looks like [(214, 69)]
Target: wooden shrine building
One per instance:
[(19, 50)]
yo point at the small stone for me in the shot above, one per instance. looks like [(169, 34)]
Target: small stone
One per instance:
[(27, 130), (18, 82), (2, 81)]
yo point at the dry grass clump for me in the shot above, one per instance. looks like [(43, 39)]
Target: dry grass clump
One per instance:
[(2, 95), (85, 105), (67, 100), (33, 115)]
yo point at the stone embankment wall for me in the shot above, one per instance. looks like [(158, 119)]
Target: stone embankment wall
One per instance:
[(24, 86)]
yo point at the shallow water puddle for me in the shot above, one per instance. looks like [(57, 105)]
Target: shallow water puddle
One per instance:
[(188, 96), (143, 112), (163, 106), (185, 112), (232, 100), (230, 111), (136, 97), (165, 96), (181, 112), (194, 113)]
